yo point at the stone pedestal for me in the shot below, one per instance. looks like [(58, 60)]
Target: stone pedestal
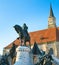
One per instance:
[(24, 56)]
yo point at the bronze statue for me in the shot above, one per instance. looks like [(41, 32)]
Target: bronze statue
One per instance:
[(23, 33), (13, 51)]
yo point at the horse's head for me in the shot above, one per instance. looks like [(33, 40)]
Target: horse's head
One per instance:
[(18, 28)]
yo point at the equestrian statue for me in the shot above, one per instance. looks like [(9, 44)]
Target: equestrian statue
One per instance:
[(23, 33)]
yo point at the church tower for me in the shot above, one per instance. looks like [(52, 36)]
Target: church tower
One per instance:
[(51, 19)]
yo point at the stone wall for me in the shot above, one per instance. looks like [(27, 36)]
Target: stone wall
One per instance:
[(6, 51), (46, 46), (57, 46), (52, 45)]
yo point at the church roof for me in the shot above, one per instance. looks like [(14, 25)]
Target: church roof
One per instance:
[(40, 36)]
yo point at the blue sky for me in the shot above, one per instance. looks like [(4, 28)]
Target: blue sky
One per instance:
[(34, 13)]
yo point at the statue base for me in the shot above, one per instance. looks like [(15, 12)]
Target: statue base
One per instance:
[(24, 56)]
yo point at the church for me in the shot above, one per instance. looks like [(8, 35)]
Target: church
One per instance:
[(45, 39)]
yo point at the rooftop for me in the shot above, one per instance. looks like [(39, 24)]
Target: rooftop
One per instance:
[(40, 36)]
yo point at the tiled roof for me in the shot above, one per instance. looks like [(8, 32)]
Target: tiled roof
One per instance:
[(16, 42), (47, 35)]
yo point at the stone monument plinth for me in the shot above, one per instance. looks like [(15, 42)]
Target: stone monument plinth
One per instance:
[(24, 56)]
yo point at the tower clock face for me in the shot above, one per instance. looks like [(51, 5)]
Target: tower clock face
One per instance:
[(50, 22)]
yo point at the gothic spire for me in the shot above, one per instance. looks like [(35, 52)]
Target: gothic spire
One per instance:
[(51, 11)]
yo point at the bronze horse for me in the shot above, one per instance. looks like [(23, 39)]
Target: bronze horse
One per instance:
[(23, 34)]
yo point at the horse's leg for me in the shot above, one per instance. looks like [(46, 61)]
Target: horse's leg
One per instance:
[(24, 42)]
